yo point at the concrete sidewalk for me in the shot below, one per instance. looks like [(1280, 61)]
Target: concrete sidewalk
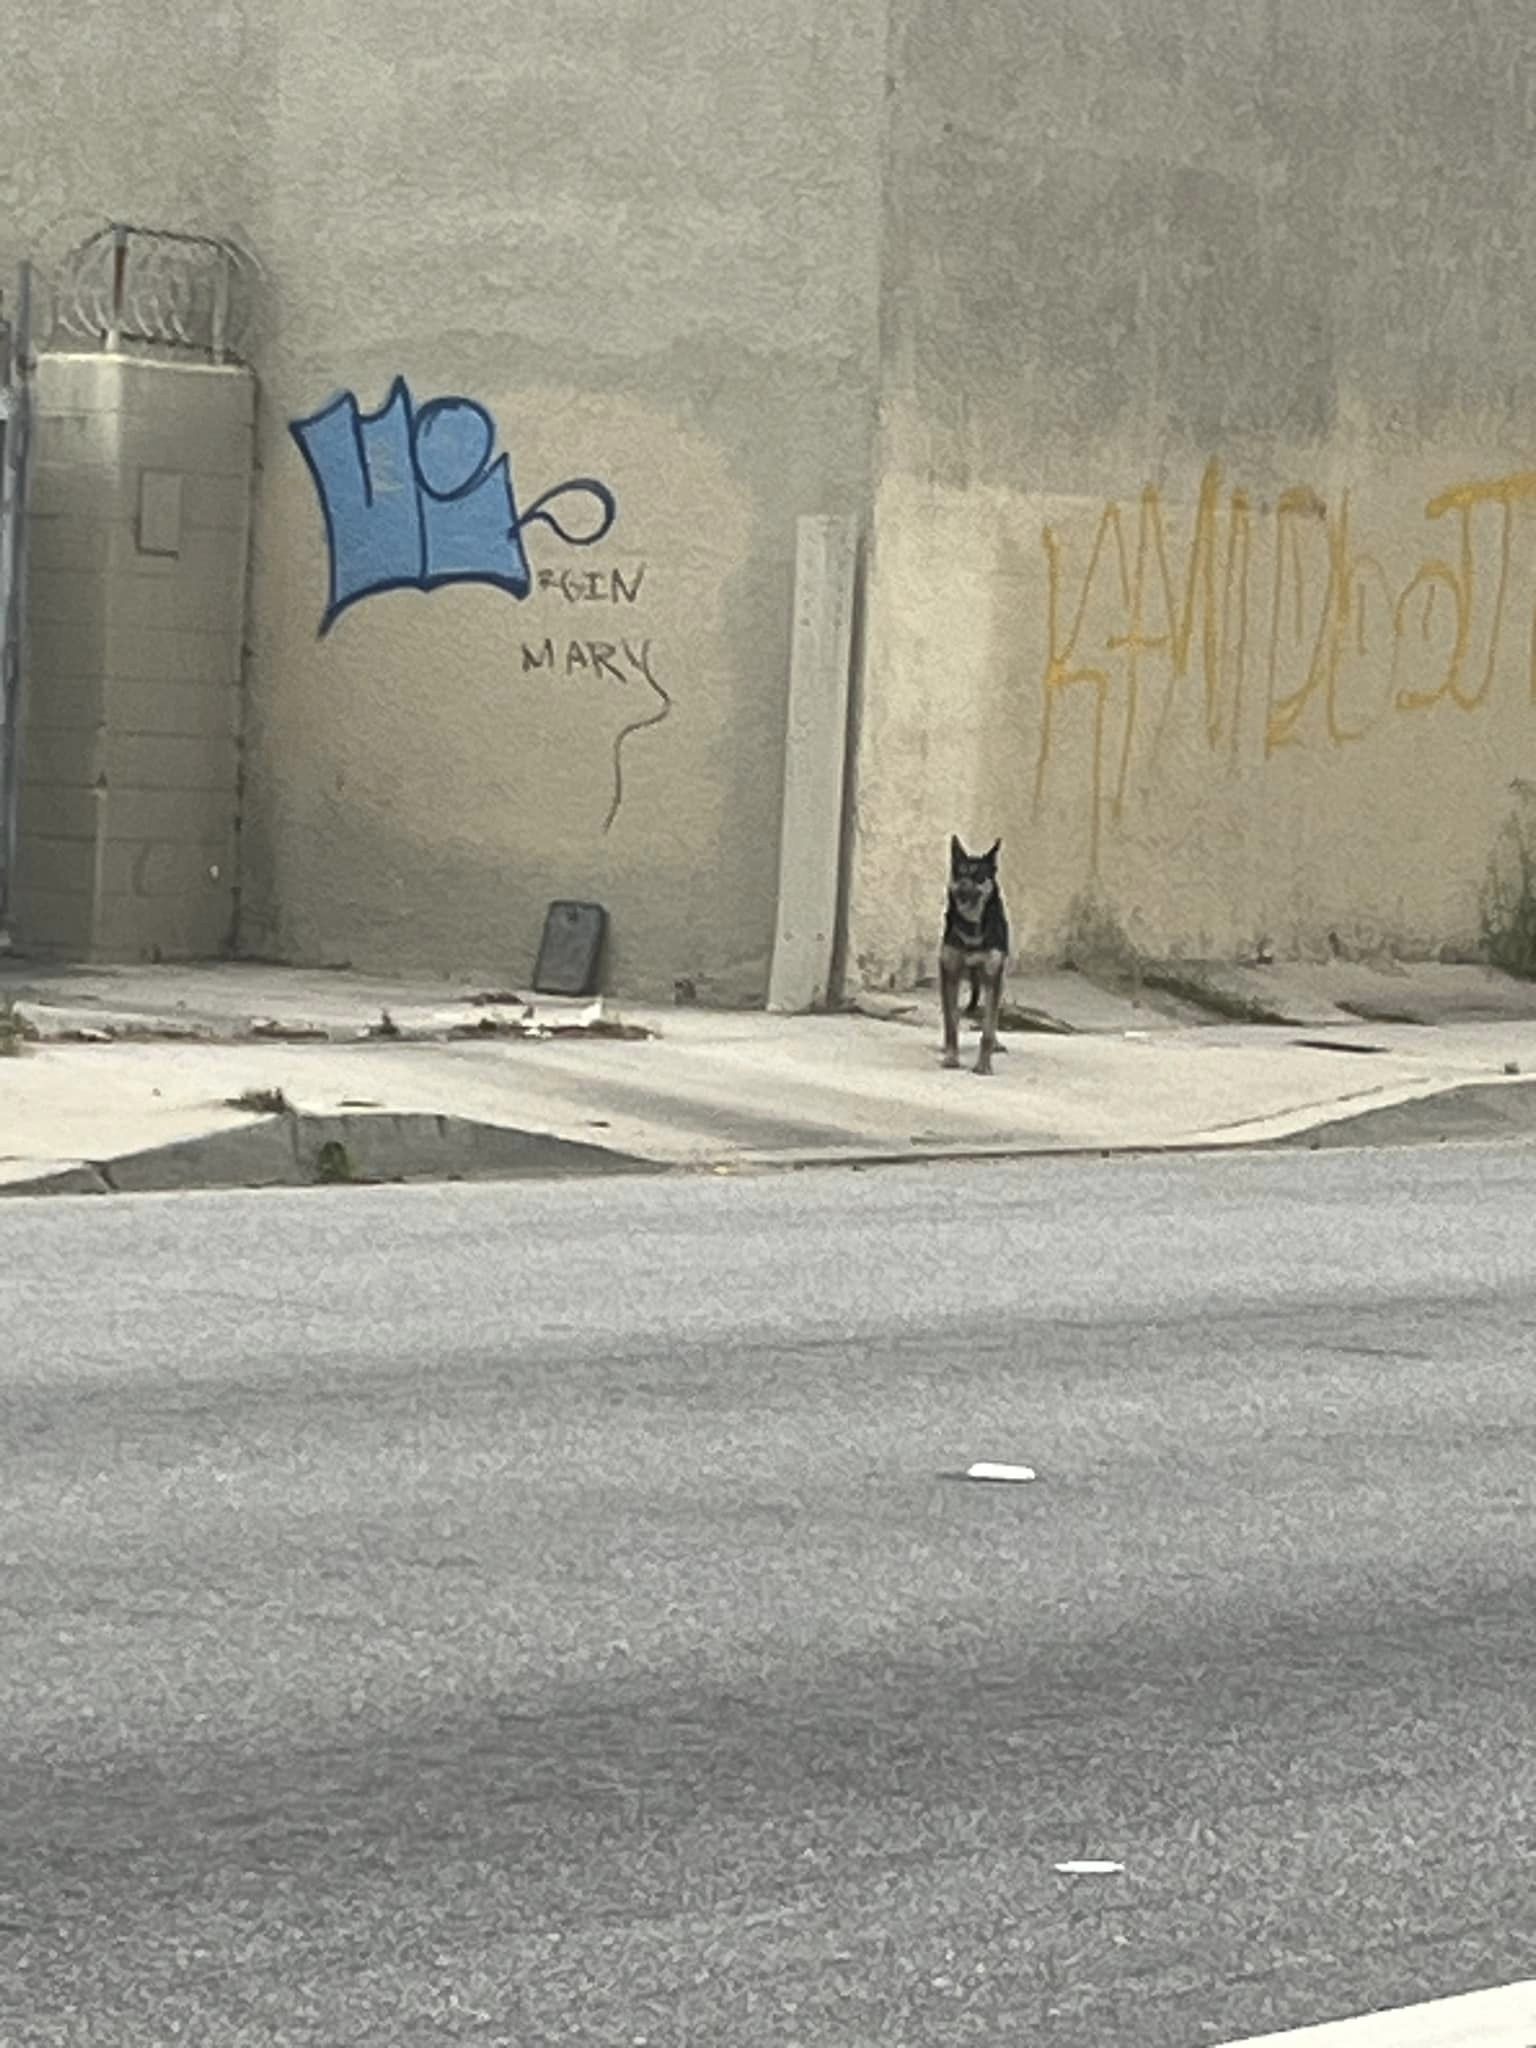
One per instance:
[(234, 1074)]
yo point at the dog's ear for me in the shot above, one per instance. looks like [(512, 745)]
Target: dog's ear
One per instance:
[(956, 851), (990, 856)]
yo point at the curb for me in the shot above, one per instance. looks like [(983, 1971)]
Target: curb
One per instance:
[(1461, 1112), (293, 1149), (1468, 1112)]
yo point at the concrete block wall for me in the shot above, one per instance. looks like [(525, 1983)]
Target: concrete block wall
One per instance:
[(131, 718)]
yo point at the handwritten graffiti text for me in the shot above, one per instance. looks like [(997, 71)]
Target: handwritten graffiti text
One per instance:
[(595, 586), (1275, 626), (619, 661)]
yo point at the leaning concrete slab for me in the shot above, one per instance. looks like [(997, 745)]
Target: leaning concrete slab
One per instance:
[(1236, 993), (815, 754), (1055, 1002), (1428, 993)]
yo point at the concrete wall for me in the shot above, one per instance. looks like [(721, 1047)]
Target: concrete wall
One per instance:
[(137, 110), (131, 709), (1204, 556), (1199, 333), (643, 236)]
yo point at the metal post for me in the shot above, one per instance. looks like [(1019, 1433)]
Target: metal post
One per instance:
[(220, 304), (119, 289)]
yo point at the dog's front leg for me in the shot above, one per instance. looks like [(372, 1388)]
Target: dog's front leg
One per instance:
[(994, 997), (949, 997)]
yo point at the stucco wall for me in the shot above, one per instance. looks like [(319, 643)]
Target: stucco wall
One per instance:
[(1200, 337), (1195, 574), (137, 110), (642, 235)]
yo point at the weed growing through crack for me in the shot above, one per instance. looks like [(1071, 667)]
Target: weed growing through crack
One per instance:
[(333, 1163), (262, 1102), (1509, 895), (16, 1033)]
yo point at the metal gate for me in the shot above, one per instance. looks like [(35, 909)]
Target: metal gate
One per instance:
[(15, 383)]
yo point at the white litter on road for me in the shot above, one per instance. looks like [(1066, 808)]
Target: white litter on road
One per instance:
[(1090, 1869), (1013, 1472)]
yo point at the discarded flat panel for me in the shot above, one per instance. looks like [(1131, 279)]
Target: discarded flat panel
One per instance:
[(570, 954), (1089, 1868), (159, 512), (1017, 1474)]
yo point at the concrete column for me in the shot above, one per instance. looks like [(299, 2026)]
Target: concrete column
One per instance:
[(815, 756), (137, 538)]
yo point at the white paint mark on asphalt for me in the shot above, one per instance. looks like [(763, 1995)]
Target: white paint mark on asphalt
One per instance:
[(1016, 1473), (1090, 1869), (1504, 2017)]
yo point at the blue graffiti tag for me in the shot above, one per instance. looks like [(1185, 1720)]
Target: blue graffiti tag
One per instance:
[(415, 497)]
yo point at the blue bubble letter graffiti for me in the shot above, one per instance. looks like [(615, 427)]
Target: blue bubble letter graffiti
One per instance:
[(417, 498)]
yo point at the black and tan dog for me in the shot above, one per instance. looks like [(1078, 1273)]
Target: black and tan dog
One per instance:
[(975, 943)]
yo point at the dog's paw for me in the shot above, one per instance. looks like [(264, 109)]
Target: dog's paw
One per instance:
[(951, 1059), (983, 1067)]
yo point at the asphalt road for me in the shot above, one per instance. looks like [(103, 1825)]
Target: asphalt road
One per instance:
[(535, 1615)]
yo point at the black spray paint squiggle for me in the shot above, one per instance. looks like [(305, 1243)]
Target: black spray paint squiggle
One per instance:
[(539, 514), (640, 725)]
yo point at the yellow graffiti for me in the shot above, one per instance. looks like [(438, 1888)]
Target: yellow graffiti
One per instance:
[(1337, 653)]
